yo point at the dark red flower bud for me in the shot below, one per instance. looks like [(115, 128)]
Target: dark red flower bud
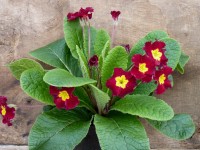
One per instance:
[(127, 47), (86, 13), (93, 61), (72, 16), (115, 14)]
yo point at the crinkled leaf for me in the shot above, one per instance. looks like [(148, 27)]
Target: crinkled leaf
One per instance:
[(19, 66), (62, 78), (180, 127), (145, 107), (73, 35), (105, 50), (101, 39), (32, 84), (145, 88), (173, 52), (151, 36), (57, 54), (101, 98), (84, 99), (59, 129), (182, 62), (93, 33), (117, 58), (120, 131), (83, 62)]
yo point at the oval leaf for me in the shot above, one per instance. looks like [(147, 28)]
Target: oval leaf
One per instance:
[(180, 127), (83, 62), (145, 88), (32, 83), (173, 52), (59, 129), (84, 99), (145, 107), (101, 39), (57, 54), (117, 58), (62, 78), (182, 62), (101, 98), (73, 35), (120, 131), (19, 66)]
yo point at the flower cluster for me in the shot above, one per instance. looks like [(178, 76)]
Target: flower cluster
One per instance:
[(148, 67), (64, 98), (7, 113), (84, 14)]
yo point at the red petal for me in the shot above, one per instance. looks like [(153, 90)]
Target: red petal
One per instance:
[(160, 89), (72, 102), (68, 89), (10, 114), (3, 100), (147, 79), (53, 90), (136, 73), (167, 70), (59, 103)]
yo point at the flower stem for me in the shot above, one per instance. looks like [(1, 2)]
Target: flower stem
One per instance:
[(89, 40), (113, 34)]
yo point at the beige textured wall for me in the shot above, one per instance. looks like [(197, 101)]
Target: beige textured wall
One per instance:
[(26, 25)]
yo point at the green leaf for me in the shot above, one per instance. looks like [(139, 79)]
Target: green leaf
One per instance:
[(117, 58), (173, 52), (59, 129), (62, 78), (180, 127), (105, 50), (93, 33), (101, 39), (101, 98), (83, 63), (120, 131), (84, 99), (53, 54), (32, 84), (151, 36), (57, 54), (19, 66), (145, 107), (182, 62), (73, 35), (145, 88)]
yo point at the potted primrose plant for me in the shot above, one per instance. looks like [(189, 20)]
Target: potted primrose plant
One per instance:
[(94, 83)]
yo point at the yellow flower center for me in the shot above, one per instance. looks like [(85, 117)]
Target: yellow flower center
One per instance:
[(156, 54), (143, 68), (121, 81), (63, 95), (3, 110), (162, 79)]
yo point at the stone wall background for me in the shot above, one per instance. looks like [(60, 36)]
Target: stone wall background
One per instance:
[(26, 25)]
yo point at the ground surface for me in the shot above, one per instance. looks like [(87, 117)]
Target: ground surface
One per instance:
[(26, 25)]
